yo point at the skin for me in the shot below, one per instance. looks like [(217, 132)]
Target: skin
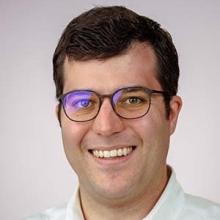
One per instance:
[(120, 189)]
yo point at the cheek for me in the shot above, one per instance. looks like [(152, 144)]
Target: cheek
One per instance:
[(72, 132), (153, 130), (72, 136)]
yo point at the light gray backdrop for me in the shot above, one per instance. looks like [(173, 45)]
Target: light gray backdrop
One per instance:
[(34, 174)]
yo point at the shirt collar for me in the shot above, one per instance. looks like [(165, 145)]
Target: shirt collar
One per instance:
[(169, 203), (167, 207), (74, 210)]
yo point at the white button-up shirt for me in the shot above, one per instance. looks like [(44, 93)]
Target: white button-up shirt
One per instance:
[(173, 204)]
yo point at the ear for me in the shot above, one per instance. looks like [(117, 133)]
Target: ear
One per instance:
[(175, 107), (58, 112)]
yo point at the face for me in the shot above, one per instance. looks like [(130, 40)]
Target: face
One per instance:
[(144, 140)]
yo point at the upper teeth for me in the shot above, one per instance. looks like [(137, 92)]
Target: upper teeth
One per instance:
[(112, 153)]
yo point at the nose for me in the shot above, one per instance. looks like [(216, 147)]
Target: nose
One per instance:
[(107, 122)]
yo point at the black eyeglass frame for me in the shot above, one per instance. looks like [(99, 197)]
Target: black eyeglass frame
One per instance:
[(110, 96)]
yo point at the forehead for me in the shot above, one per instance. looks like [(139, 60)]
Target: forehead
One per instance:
[(136, 67)]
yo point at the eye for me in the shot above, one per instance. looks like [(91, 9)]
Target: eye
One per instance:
[(83, 103), (133, 100)]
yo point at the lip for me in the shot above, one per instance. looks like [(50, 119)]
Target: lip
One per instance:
[(112, 161)]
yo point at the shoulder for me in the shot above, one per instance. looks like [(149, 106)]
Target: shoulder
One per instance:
[(200, 208), (55, 213)]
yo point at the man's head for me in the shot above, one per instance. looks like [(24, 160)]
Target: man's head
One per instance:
[(105, 32), (117, 159)]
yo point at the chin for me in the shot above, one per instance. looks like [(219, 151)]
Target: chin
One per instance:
[(113, 189)]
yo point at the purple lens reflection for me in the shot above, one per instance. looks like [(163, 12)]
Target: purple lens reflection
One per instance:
[(76, 100), (117, 96)]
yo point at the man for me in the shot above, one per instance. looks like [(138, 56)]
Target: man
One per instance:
[(116, 76)]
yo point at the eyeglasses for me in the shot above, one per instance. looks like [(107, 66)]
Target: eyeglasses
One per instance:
[(128, 103)]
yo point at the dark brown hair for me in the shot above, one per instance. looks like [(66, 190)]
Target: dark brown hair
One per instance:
[(103, 32)]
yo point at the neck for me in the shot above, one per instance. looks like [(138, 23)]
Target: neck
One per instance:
[(134, 208)]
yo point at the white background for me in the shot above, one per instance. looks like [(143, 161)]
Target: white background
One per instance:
[(34, 173)]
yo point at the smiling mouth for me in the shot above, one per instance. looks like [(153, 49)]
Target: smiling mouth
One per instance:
[(114, 153)]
